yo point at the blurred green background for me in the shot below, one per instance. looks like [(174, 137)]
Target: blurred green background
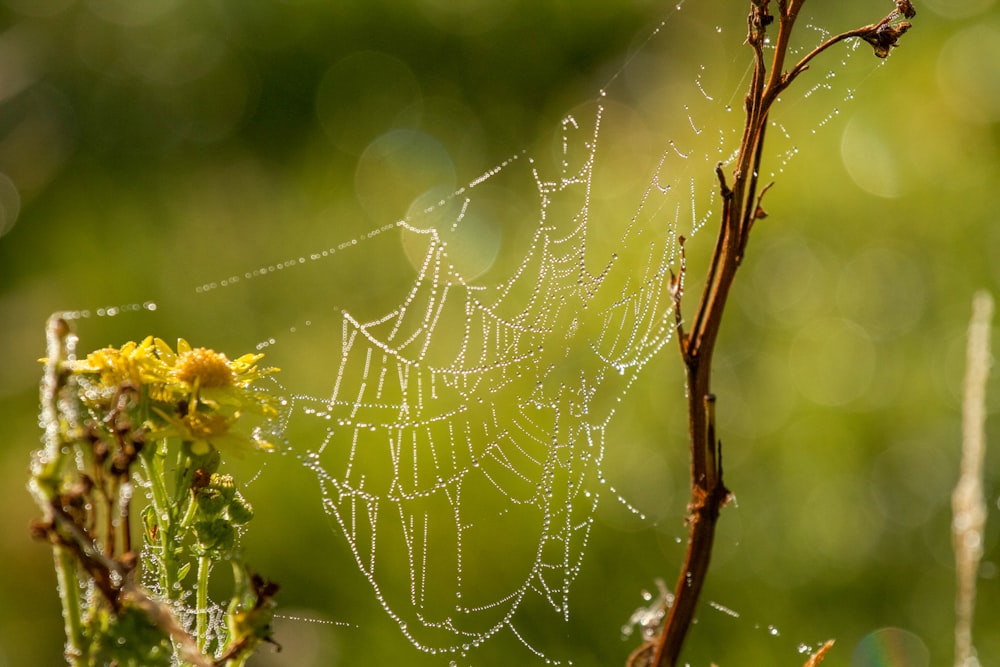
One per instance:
[(149, 147)]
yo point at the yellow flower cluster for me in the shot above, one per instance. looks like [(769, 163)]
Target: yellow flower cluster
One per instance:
[(195, 394)]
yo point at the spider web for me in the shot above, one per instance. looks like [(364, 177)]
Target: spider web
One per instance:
[(478, 406)]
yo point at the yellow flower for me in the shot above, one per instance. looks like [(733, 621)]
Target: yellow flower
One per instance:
[(213, 378), (208, 369), (215, 391), (133, 365), (195, 394), (207, 429)]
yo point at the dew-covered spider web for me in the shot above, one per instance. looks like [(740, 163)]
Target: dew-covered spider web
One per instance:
[(458, 432), (477, 409)]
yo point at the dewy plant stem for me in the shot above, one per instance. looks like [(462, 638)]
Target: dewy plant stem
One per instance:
[(112, 420)]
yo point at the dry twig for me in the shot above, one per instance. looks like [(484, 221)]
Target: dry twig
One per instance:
[(741, 207), (967, 502)]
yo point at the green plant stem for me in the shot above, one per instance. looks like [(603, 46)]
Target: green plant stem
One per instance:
[(152, 465), (46, 478), (189, 514), (201, 627), (69, 596), (184, 473)]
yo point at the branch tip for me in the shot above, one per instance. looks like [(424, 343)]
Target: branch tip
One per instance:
[(818, 656), (727, 193)]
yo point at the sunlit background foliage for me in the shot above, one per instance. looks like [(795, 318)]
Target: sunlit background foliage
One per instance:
[(148, 147)]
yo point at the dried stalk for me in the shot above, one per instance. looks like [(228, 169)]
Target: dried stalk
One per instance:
[(967, 502), (818, 656), (741, 207)]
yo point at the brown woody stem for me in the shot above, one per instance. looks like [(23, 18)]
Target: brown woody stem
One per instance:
[(741, 206)]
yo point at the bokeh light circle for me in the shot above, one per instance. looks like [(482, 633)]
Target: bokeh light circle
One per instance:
[(130, 13), (473, 239), (969, 73), (956, 9), (398, 167), (364, 95), (869, 160), (39, 8), (832, 361), (891, 647), (469, 17), (884, 289)]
